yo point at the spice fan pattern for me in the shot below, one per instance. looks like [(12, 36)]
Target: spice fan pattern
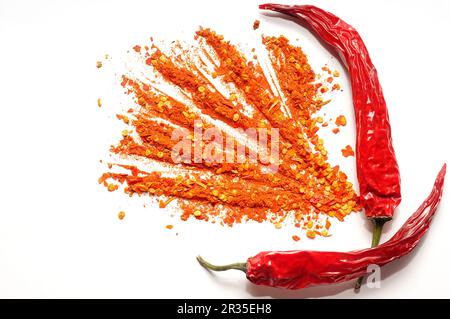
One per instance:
[(214, 85)]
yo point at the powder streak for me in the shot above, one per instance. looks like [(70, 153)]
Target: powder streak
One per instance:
[(219, 85)]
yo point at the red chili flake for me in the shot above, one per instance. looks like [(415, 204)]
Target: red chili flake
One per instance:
[(336, 87), (124, 118), (341, 120), (137, 48), (295, 238), (326, 69), (329, 79), (124, 81), (112, 187), (256, 24), (163, 204), (336, 130), (311, 234), (339, 216), (348, 151)]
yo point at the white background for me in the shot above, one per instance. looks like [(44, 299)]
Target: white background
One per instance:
[(59, 231)]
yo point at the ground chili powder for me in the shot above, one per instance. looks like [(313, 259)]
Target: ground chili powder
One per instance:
[(306, 189)]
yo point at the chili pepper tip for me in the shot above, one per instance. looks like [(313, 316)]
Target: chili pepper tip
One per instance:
[(358, 284), (264, 6)]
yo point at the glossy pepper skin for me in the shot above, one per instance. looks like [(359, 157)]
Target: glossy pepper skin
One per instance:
[(377, 169), (300, 269)]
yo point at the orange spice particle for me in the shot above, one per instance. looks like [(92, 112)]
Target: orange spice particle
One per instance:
[(347, 151), (121, 215), (112, 187), (295, 238), (326, 69), (336, 87), (169, 226), (256, 24), (341, 120), (311, 234), (324, 89)]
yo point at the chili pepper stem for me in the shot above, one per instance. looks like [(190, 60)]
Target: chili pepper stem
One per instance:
[(376, 236), (207, 265)]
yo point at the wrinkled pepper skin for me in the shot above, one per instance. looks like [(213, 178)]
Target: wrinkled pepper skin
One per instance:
[(300, 269), (377, 169)]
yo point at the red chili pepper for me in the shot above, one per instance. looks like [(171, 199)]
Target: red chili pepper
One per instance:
[(376, 164), (300, 269), (377, 169)]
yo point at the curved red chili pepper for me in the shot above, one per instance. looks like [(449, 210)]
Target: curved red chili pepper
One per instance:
[(376, 164), (377, 169), (300, 269)]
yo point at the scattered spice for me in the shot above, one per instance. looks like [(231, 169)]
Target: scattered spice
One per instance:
[(256, 24), (311, 234), (99, 102), (163, 204), (305, 185), (336, 87), (347, 151), (121, 215), (326, 69), (169, 226), (336, 130), (112, 187), (341, 120), (99, 64), (295, 238)]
